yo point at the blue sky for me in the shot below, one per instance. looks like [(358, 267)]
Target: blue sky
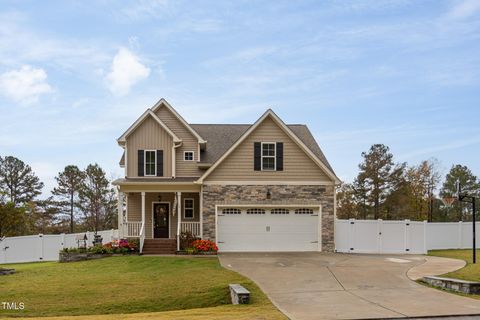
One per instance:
[(75, 74)]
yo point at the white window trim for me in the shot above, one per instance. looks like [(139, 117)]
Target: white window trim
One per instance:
[(145, 163), (274, 156), (193, 155), (185, 207)]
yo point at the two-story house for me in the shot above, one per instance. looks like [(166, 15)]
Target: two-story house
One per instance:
[(264, 186)]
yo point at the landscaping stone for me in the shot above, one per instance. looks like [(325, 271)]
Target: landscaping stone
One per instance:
[(239, 294), (77, 256), (463, 286), (4, 272)]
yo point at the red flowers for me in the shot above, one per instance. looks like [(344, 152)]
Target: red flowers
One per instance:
[(204, 246), (122, 246)]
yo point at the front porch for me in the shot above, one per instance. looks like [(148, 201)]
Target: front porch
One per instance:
[(159, 216)]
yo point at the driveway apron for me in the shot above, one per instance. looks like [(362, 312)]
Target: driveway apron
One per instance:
[(308, 286)]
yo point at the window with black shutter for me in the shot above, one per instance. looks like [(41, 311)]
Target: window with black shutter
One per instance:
[(159, 163), (140, 162), (279, 154), (257, 156), (150, 163), (268, 156)]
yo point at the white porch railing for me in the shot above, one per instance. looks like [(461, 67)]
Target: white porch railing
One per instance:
[(192, 227), (132, 229), (142, 236)]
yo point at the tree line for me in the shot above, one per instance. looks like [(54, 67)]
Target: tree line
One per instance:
[(81, 200), (389, 190)]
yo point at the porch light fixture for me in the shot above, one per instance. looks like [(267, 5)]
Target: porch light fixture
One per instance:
[(160, 197)]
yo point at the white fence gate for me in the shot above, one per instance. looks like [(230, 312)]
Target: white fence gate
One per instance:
[(416, 237), (44, 247)]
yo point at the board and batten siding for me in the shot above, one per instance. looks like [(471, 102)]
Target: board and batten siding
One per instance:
[(135, 210), (189, 143), (297, 165), (149, 136)]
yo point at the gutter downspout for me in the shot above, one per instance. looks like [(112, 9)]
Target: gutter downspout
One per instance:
[(174, 158)]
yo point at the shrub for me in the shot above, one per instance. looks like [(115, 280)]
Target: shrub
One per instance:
[(186, 240), (190, 250), (100, 250), (73, 250), (122, 246), (204, 246)]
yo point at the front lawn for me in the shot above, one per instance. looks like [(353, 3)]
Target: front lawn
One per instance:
[(469, 272), (130, 284)]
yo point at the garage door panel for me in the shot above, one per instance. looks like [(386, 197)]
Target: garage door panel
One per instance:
[(268, 232)]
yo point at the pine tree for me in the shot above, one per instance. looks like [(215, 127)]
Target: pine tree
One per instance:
[(376, 171), (18, 182), (470, 185), (96, 199), (69, 182)]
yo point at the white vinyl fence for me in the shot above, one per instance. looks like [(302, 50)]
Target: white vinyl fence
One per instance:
[(416, 237), (44, 247)]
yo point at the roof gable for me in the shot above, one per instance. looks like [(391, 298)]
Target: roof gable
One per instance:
[(140, 120), (221, 137), (270, 114), (163, 103)]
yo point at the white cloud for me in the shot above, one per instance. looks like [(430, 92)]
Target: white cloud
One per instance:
[(126, 71), (24, 85), (143, 9), (465, 9)]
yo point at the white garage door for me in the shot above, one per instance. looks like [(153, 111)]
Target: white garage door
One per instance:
[(268, 229)]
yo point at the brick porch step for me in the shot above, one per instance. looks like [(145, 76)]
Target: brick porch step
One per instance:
[(159, 246)]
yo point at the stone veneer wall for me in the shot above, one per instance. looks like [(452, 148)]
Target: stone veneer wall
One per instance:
[(280, 194)]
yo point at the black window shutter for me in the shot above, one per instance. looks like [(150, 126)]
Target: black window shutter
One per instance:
[(257, 156), (279, 156), (159, 163), (141, 161)]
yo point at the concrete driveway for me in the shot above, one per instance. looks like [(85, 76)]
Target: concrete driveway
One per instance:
[(344, 286)]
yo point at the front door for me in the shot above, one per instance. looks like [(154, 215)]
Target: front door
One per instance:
[(160, 220)]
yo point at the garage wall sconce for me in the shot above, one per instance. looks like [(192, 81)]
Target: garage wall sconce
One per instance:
[(269, 195)]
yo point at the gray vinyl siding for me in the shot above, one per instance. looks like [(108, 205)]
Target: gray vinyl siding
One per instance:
[(297, 165), (189, 143), (149, 136)]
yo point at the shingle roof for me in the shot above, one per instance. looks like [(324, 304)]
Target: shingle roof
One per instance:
[(220, 137)]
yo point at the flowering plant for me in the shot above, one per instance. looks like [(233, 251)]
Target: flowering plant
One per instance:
[(204, 246), (122, 246)]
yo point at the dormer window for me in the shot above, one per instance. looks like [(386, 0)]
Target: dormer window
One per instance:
[(188, 156), (150, 162)]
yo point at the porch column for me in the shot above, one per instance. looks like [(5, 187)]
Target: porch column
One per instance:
[(201, 212), (179, 218), (143, 212), (121, 218)]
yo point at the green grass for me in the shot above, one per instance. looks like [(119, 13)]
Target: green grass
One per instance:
[(129, 284), (469, 272)]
